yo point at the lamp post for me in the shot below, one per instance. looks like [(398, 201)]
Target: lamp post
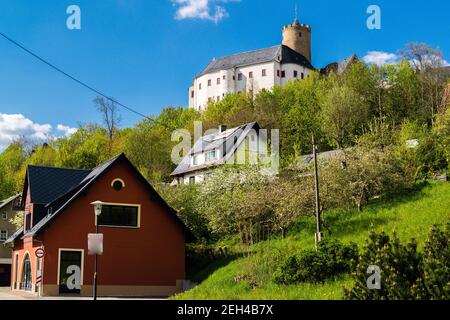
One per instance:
[(98, 211)]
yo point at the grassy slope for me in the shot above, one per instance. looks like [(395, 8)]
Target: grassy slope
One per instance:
[(411, 216)]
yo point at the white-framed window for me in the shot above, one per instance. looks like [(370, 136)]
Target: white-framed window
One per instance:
[(3, 235), (120, 215), (195, 160), (210, 155), (4, 215)]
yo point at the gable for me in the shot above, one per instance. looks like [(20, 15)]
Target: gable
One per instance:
[(105, 193)]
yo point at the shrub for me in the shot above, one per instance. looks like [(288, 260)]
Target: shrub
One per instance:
[(405, 273), (331, 258)]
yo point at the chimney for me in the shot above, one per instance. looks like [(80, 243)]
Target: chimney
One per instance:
[(222, 128)]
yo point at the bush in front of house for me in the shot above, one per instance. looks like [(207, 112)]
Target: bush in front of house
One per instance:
[(331, 258), (405, 274)]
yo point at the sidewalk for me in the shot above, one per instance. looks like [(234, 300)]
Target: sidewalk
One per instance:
[(7, 294)]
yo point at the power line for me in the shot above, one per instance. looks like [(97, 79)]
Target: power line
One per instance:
[(72, 77)]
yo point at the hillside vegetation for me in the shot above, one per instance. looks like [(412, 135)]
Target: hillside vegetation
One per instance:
[(410, 215)]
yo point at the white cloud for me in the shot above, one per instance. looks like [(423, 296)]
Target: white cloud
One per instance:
[(380, 58), (201, 9), (14, 126), (68, 131)]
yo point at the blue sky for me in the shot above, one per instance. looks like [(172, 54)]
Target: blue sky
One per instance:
[(146, 52)]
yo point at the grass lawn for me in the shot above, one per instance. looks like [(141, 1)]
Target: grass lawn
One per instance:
[(409, 215)]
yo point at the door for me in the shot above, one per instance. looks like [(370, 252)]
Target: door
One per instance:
[(26, 274), (5, 275), (70, 271)]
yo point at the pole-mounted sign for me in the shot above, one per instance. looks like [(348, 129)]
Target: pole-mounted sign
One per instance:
[(40, 253)]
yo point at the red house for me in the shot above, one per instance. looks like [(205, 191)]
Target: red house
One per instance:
[(144, 240)]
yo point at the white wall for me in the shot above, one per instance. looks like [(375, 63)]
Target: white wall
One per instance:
[(227, 85)]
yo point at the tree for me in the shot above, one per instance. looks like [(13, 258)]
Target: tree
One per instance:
[(343, 115), (110, 114)]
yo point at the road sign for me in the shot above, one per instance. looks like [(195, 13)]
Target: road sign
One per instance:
[(95, 244), (40, 253)]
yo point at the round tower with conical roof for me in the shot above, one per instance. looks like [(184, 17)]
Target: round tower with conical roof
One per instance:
[(298, 37)]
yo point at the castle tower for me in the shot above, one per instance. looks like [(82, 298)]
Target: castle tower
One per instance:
[(298, 37)]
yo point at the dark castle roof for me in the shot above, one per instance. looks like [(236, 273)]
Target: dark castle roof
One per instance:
[(279, 53)]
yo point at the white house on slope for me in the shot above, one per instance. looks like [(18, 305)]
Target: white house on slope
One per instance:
[(241, 145)]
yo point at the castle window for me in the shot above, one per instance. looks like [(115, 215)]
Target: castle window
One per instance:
[(278, 73), (224, 77), (209, 83), (199, 86), (240, 76), (264, 72), (283, 74), (192, 93), (234, 77), (218, 80), (303, 76), (299, 34), (295, 73), (250, 75)]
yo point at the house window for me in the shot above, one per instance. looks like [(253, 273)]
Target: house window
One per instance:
[(27, 221), (118, 184), (283, 74), (191, 180), (278, 73), (240, 76), (4, 215), (199, 86), (3, 235), (295, 73), (195, 160), (119, 216), (264, 73), (209, 83), (303, 76), (192, 93), (218, 80), (250, 75), (210, 156)]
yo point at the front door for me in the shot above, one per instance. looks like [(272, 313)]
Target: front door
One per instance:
[(70, 271), (26, 274)]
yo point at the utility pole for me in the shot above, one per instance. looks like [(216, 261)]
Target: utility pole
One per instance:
[(318, 235)]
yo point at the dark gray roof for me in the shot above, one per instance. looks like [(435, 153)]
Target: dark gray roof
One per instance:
[(228, 141), (4, 202), (277, 53), (15, 235), (47, 183)]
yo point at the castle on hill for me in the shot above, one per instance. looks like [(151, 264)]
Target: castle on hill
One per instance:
[(259, 69)]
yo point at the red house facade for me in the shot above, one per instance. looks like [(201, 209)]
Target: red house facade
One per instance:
[(144, 240)]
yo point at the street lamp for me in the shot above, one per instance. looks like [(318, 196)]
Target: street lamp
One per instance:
[(98, 211)]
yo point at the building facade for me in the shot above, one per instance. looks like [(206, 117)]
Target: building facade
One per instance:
[(9, 208), (255, 70), (144, 241)]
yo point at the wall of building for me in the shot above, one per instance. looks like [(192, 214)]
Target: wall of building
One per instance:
[(150, 256)]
